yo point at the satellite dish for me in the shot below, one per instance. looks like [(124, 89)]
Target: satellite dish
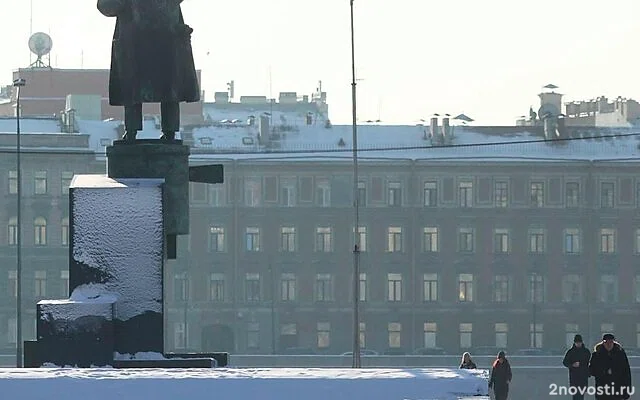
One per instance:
[(40, 44)]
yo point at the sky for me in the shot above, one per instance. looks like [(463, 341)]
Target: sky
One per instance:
[(242, 384), (488, 59)]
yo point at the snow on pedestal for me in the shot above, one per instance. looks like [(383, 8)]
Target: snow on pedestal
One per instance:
[(117, 242)]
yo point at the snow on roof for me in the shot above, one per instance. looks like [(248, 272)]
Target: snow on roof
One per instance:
[(245, 384), (30, 125)]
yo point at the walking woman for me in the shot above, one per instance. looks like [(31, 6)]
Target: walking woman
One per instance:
[(500, 377), (467, 362)]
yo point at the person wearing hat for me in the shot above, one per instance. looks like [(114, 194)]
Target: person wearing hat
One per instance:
[(500, 377), (610, 366), (576, 359)]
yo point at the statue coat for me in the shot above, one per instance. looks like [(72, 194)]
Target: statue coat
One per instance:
[(151, 54)]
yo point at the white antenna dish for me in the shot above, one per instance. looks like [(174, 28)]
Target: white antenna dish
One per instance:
[(40, 44)]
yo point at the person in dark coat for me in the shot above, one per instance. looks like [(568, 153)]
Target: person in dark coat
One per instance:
[(151, 61), (610, 366), (576, 359), (500, 377), (467, 362)]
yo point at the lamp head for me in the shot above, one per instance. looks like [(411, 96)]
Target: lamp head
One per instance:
[(19, 82)]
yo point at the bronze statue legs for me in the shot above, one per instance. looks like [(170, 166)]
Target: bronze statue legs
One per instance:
[(170, 120)]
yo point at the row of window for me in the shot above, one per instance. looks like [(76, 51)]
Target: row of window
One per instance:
[(537, 239), (41, 280), (323, 333), (40, 182), (291, 192), (573, 288), (40, 237)]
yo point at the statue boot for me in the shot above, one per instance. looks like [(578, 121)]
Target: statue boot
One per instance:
[(168, 136), (129, 136)]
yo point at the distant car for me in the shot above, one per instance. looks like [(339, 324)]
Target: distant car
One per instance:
[(531, 352), (363, 352), (430, 351), (394, 352)]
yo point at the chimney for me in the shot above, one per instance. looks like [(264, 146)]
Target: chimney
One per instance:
[(264, 129), (446, 129), (434, 128), (309, 118)]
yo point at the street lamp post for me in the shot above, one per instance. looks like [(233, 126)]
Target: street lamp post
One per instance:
[(18, 84), (356, 231)]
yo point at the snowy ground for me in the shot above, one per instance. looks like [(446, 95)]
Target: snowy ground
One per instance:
[(241, 384)]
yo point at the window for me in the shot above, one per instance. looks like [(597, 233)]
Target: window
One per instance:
[(252, 286), (288, 239), (64, 284), (501, 329), (636, 246), (306, 189), (607, 241), (637, 334), (324, 242), (179, 335), (430, 335), (13, 284), (572, 290), (198, 192), (395, 194), (395, 335), (180, 287), (430, 287), (216, 287), (64, 233), (362, 289), (324, 335), (363, 335), (571, 330), (13, 182), (608, 289), (466, 331), (253, 335), (323, 193), (252, 192), (572, 196), (637, 289), (607, 195), (362, 194), (216, 195), (466, 242), (12, 331), (362, 232), (40, 231), (430, 239), (536, 288), (465, 287), (465, 194), (12, 231), (216, 238), (572, 241), (65, 181), (537, 194), (536, 334), (501, 241), (606, 328), (288, 195), (394, 239), (253, 239), (501, 194), (501, 288), (40, 181), (324, 287), (536, 240), (430, 194), (40, 280), (394, 282), (288, 287)]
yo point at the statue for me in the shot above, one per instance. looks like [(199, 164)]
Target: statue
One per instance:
[(151, 62)]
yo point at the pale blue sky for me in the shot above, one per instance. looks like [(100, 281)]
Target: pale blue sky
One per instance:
[(486, 58)]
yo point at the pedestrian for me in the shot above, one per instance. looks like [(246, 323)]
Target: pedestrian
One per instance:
[(500, 377), (576, 359), (467, 362), (610, 366)]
